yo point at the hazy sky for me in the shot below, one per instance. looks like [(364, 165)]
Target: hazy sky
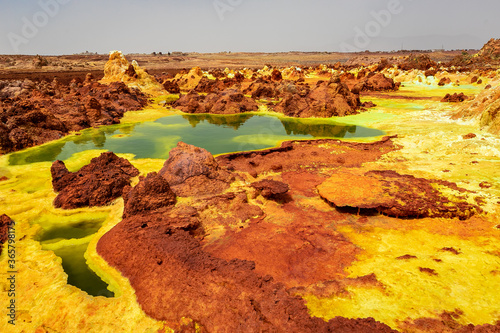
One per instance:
[(73, 26)]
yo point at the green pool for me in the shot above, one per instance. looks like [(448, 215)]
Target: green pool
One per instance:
[(218, 134)]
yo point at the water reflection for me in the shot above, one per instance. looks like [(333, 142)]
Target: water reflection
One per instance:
[(216, 133), (294, 127), (233, 121)]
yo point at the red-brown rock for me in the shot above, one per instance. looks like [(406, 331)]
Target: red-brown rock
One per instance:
[(326, 100), (455, 98), (420, 61), (376, 82), (271, 189), (151, 194), (444, 81), (229, 101), (396, 195), (96, 184), (35, 113), (171, 87), (193, 171)]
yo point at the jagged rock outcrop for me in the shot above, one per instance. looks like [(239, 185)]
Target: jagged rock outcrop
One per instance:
[(490, 51), (229, 101), (454, 98), (193, 171), (171, 87), (327, 99), (34, 113), (151, 194), (444, 81), (189, 81), (118, 69), (210, 86), (96, 184), (376, 82), (417, 61)]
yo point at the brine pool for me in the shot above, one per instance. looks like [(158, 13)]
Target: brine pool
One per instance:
[(27, 194), (217, 133)]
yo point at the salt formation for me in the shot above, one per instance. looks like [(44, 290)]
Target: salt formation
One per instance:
[(119, 69)]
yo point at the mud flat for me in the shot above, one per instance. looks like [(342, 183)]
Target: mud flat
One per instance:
[(397, 229)]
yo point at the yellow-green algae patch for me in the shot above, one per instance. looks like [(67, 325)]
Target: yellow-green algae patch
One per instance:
[(433, 280)]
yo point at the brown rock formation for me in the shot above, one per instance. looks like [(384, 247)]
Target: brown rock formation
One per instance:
[(490, 51), (326, 100), (96, 184), (455, 98), (151, 194), (262, 89), (420, 61), (229, 101), (210, 86), (376, 82), (276, 75), (396, 195), (444, 81), (271, 189), (171, 87), (193, 171), (34, 113)]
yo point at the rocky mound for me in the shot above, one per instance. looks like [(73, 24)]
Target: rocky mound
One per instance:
[(34, 113), (417, 61), (454, 98), (268, 89), (486, 108), (118, 69), (271, 189), (189, 81), (396, 195), (229, 101), (444, 81), (262, 89), (96, 184), (327, 99), (151, 194), (210, 86), (490, 51), (193, 171), (376, 82), (490, 118), (489, 54)]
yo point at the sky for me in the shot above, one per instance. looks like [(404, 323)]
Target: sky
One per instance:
[(54, 27)]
